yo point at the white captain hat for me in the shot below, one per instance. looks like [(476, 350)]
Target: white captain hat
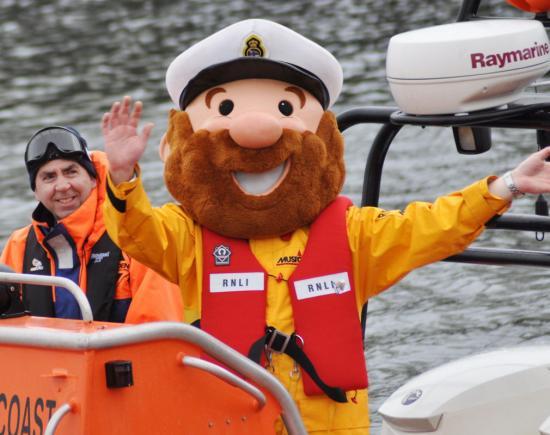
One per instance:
[(254, 48)]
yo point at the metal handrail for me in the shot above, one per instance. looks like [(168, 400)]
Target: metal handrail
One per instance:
[(227, 376), (56, 418), (48, 280), (501, 257)]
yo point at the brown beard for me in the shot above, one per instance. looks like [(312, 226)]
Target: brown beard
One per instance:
[(198, 174)]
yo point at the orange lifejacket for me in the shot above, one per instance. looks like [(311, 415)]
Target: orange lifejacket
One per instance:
[(322, 294)]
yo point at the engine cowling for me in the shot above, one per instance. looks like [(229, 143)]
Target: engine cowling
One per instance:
[(502, 392)]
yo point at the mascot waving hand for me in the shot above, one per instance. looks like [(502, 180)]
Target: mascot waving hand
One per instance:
[(268, 257)]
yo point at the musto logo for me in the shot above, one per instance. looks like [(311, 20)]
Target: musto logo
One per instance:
[(484, 60)]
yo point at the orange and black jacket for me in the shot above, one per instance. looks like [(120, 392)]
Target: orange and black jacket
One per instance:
[(118, 288)]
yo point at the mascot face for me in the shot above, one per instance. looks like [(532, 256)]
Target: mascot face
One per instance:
[(254, 158)]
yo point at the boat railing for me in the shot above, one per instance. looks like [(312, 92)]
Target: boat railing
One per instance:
[(58, 281)]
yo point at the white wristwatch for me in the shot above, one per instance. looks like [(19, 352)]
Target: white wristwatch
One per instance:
[(511, 185)]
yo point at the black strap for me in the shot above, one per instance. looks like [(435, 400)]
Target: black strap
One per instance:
[(37, 298), (102, 277), (364, 313), (255, 352), (276, 341)]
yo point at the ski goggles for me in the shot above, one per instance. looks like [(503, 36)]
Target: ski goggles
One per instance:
[(65, 141)]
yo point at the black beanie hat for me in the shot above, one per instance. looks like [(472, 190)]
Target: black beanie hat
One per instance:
[(52, 153)]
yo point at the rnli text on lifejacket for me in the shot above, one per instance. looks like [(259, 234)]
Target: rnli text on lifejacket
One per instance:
[(336, 283), (227, 282)]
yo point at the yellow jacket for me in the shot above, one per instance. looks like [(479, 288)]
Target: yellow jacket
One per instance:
[(385, 246)]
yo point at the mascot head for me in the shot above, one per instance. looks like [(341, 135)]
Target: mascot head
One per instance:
[(254, 152)]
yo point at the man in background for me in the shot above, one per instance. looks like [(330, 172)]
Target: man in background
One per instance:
[(67, 238)]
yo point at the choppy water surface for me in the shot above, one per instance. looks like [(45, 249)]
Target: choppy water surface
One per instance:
[(63, 62)]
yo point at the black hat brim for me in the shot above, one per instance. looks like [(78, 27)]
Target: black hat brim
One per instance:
[(253, 68)]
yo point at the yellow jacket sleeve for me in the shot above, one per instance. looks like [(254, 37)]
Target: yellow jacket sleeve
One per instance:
[(162, 238), (165, 239), (386, 245)]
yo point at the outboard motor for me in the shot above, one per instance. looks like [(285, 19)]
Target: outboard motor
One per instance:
[(503, 392), (10, 297)]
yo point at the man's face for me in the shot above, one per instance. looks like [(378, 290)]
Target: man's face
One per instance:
[(254, 158), (62, 186)]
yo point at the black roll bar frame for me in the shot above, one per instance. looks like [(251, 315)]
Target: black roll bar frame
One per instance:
[(526, 115), (529, 114)]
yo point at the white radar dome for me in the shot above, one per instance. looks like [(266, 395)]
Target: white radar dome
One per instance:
[(465, 66)]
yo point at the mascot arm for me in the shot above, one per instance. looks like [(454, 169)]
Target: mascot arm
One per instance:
[(160, 238), (389, 244)]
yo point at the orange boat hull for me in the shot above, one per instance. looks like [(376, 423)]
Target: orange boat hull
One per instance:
[(166, 397)]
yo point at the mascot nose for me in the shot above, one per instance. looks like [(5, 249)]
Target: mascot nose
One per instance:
[(255, 130)]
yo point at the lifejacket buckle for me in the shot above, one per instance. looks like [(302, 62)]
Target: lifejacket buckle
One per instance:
[(276, 341)]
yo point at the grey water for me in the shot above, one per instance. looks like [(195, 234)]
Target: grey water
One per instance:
[(66, 61)]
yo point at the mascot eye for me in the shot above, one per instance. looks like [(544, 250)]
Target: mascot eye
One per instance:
[(285, 108), (226, 107)]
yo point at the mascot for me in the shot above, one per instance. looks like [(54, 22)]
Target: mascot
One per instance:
[(269, 258)]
